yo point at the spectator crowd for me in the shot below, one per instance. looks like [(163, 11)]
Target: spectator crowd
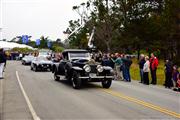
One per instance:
[(121, 64), (172, 75)]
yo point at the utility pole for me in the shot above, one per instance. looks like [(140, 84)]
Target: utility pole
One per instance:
[(1, 19)]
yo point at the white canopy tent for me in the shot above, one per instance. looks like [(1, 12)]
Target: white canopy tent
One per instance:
[(11, 45)]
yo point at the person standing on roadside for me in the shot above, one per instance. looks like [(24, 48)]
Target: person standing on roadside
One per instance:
[(106, 61), (146, 71), (175, 74), (118, 63), (2, 62), (141, 65), (126, 68), (153, 68), (5, 61), (168, 74), (178, 82), (111, 58)]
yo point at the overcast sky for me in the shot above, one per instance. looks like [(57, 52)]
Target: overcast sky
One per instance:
[(37, 17)]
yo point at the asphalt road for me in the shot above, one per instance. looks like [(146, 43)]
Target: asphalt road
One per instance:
[(52, 100)]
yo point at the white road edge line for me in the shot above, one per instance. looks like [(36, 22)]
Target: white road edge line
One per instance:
[(34, 115), (1, 100)]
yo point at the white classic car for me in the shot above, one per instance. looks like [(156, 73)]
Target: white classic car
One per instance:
[(27, 59), (41, 63)]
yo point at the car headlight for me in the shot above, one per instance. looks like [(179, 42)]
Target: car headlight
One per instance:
[(100, 68), (87, 68), (112, 71)]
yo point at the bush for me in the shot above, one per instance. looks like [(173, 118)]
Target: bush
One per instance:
[(57, 49), (22, 50)]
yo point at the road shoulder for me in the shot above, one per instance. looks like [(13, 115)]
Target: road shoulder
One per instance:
[(14, 104), (1, 99)]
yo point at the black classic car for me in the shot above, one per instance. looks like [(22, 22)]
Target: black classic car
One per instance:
[(78, 67)]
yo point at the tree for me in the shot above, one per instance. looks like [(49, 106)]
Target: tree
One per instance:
[(128, 25)]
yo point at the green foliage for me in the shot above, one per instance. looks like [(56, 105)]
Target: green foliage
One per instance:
[(131, 25), (57, 48), (79, 39), (22, 50)]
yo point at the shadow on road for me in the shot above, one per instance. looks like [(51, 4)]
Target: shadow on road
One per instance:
[(85, 86)]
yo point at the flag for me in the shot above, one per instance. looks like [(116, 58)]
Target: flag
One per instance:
[(49, 44), (25, 39), (38, 42)]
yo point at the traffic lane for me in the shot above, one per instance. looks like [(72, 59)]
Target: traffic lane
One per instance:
[(156, 95), (152, 94), (59, 101), (95, 106), (14, 105)]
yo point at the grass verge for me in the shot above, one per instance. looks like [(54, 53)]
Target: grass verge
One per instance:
[(135, 74)]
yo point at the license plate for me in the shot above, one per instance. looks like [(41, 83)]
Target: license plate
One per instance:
[(92, 75)]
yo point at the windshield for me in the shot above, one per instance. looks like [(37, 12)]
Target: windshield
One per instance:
[(29, 57), (79, 55), (43, 53), (42, 58)]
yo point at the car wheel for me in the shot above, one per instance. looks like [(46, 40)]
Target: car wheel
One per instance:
[(56, 78), (35, 68), (31, 68), (106, 83), (76, 81), (69, 76)]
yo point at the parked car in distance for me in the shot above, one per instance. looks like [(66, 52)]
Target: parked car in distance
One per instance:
[(40, 64), (78, 67), (26, 60)]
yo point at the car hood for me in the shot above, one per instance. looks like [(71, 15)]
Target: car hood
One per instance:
[(27, 59), (44, 62), (82, 62)]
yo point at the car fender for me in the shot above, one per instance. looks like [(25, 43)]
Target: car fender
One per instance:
[(77, 68), (107, 68), (53, 68)]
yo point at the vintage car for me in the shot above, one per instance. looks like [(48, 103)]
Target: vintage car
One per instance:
[(27, 59), (78, 67), (41, 63)]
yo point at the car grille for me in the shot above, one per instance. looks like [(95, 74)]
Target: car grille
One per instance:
[(45, 65), (93, 68)]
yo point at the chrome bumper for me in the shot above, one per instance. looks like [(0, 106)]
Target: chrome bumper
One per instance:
[(97, 77)]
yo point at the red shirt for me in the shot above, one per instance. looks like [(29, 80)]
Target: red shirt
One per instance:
[(153, 63)]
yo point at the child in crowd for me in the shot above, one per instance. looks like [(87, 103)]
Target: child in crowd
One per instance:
[(177, 88), (175, 75)]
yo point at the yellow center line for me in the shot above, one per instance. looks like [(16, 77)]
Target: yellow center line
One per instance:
[(140, 102)]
